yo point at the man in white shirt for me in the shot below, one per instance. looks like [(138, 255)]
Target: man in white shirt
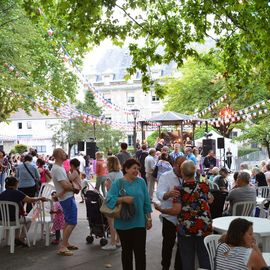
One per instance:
[(65, 194), (150, 164), (166, 192)]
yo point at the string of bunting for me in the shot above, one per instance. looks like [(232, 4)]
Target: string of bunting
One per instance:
[(249, 112), (58, 107), (211, 106)]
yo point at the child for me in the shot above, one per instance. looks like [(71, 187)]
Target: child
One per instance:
[(74, 175), (84, 186), (58, 218)]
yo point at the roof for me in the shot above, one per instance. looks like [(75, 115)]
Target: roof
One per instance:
[(116, 60), (172, 118), (22, 115)]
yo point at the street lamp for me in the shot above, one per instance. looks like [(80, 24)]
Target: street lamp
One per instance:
[(135, 113)]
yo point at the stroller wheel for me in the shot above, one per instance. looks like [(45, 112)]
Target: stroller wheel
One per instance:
[(89, 239), (103, 242)]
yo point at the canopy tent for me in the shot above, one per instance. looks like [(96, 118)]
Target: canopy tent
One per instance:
[(170, 119)]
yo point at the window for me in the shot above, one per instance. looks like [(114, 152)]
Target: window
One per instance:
[(19, 125), (109, 118), (29, 125), (130, 140), (109, 100), (40, 148), (131, 99), (233, 134), (155, 98)]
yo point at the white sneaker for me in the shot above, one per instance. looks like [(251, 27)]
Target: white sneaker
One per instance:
[(109, 247)]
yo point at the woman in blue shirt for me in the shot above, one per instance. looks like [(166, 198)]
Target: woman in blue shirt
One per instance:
[(132, 232)]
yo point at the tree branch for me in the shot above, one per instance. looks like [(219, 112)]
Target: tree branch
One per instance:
[(12, 20), (130, 16)]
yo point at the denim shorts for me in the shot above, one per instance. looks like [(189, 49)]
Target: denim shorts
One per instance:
[(70, 211)]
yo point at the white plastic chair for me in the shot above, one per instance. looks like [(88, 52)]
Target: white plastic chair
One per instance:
[(11, 226), (245, 208), (211, 243), (46, 190), (42, 216), (264, 213), (264, 191)]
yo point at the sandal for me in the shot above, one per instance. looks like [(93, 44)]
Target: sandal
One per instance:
[(72, 247), (65, 253)]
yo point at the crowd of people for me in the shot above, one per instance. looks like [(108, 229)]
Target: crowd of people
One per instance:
[(178, 180)]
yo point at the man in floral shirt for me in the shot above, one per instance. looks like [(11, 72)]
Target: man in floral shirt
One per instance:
[(194, 218)]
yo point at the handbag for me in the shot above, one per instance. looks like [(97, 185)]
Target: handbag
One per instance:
[(110, 213), (122, 211), (128, 210), (38, 184)]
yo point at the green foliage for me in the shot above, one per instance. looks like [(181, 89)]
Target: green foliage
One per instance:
[(240, 30), (28, 47), (246, 150), (257, 132), (151, 139), (202, 83), (20, 148), (195, 89)]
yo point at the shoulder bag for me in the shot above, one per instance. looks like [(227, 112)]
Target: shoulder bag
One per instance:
[(122, 211), (37, 183), (128, 210), (111, 213)]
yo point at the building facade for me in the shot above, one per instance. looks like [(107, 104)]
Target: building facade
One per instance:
[(35, 130)]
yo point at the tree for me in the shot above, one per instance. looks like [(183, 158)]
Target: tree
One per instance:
[(37, 70), (75, 130), (201, 83), (257, 133), (20, 148), (171, 31)]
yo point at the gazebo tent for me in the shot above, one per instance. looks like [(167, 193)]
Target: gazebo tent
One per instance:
[(170, 119)]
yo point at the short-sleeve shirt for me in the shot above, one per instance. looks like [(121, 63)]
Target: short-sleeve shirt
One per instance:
[(13, 195), (235, 258), (194, 218), (59, 174)]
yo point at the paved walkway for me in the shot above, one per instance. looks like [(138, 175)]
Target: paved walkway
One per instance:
[(87, 257)]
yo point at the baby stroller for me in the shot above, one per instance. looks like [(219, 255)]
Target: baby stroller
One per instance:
[(97, 221)]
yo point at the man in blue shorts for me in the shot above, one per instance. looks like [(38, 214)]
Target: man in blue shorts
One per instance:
[(65, 194)]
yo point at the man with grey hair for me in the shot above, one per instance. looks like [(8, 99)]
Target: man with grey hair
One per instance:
[(244, 192), (150, 164)]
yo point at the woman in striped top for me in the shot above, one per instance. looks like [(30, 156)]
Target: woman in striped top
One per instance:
[(239, 251)]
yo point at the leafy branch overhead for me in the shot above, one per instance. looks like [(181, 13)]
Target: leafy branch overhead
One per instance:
[(38, 69), (164, 31)]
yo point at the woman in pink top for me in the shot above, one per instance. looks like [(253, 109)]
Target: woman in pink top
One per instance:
[(101, 172), (45, 175), (66, 164)]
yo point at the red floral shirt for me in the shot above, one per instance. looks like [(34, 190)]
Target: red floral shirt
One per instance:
[(195, 217)]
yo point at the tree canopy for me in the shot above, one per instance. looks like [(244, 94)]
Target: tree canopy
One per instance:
[(30, 66), (202, 83), (170, 30)]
